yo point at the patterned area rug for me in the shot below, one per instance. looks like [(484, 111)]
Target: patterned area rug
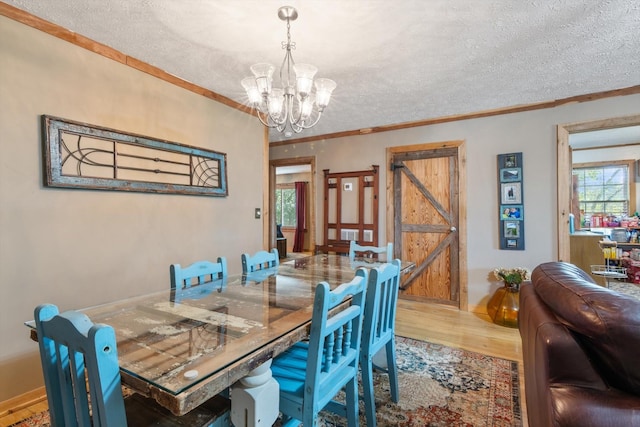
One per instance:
[(38, 420), (442, 386), (439, 387)]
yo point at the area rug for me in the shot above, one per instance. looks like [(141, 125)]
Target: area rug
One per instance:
[(626, 288), (439, 386), (442, 386)]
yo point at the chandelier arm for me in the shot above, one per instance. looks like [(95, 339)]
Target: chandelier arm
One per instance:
[(275, 121), (267, 120), (292, 120), (303, 126), (285, 63), (300, 126), (295, 128), (301, 123)]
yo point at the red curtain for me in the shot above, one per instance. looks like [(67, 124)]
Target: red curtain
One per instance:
[(301, 213)]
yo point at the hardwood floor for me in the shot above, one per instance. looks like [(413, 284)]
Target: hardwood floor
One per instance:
[(445, 325), (22, 407), (427, 322)]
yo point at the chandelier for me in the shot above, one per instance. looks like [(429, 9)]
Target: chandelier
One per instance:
[(294, 105)]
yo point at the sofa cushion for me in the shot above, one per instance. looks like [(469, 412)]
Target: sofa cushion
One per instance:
[(607, 322)]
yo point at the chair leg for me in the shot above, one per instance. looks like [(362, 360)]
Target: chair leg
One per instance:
[(351, 391), (392, 370), (366, 366)]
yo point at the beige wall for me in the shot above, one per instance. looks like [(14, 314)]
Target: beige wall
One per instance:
[(533, 133), (77, 248)]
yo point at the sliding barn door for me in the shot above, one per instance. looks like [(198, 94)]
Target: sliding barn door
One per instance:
[(426, 205)]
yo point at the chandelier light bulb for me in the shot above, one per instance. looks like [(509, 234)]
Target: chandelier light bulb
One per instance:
[(304, 78), (298, 103), (324, 88), (264, 75), (276, 102), (306, 108), (250, 86)]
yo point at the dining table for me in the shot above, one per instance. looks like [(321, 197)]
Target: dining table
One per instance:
[(181, 347)]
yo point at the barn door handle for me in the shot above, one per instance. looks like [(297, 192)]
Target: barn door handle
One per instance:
[(453, 229)]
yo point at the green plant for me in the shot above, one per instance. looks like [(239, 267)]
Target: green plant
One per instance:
[(512, 277)]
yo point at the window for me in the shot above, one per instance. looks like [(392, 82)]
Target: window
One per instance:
[(605, 188), (286, 205)]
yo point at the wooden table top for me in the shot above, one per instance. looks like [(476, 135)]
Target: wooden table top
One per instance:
[(183, 347)]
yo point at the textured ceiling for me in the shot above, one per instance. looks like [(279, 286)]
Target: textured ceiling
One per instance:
[(394, 61)]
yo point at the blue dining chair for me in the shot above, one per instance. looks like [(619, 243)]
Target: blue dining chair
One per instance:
[(197, 273), (310, 374), (370, 251), (260, 260), (82, 379), (378, 332), (198, 279)]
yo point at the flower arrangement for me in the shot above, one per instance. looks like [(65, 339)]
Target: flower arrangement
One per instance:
[(512, 277)]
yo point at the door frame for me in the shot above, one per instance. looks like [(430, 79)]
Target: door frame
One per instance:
[(459, 145), (311, 228), (564, 184)]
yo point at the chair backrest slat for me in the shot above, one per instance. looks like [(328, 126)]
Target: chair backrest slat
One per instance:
[(380, 307), (75, 353), (260, 260), (356, 250)]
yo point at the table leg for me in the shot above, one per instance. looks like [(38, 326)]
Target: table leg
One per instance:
[(255, 399)]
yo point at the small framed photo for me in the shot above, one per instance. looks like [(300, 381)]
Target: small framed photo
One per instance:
[(512, 243), (511, 193), (510, 161), (510, 174), (511, 212), (511, 229)]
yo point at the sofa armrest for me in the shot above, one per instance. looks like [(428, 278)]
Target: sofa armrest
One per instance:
[(551, 356), (585, 407)]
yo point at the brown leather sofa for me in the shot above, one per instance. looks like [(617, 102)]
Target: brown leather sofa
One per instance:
[(581, 350)]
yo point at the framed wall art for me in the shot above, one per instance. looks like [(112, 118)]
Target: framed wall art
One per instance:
[(511, 229), (79, 155), (511, 193), (510, 196), (511, 175), (515, 212)]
